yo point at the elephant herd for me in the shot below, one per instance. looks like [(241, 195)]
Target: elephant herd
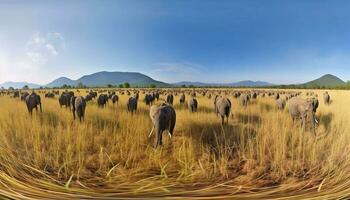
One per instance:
[(163, 115)]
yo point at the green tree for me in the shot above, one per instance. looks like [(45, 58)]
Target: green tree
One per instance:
[(26, 87), (127, 85), (109, 85), (80, 85), (152, 86), (121, 86)]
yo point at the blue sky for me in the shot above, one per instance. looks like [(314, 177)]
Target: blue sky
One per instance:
[(208, 41)]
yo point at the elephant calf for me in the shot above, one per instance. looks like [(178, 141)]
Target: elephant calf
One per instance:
[(78, 106), (132, 104), (182, 99), (163, 118), (192, 104), (33, 101), (222, 107), (170, 99), (115, 99), (281, 104), (244, 99), (102, 100), (326, 98)]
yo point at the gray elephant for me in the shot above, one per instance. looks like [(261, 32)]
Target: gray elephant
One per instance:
[(170, 99), (148, 99), (24, 96), (114, 99), (132, 104), (192, 104), (182, 99), (303, 109), (326, 98), (64, 99), (49, 95), (281, 104), (102, 100), (276, 96), (244, 99), (222, 107), (33, 101), (163, 118), (78, 107)]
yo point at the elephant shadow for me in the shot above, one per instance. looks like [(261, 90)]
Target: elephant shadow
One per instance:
[(244, 118), (326, 119), (216, 137), (266, 107)]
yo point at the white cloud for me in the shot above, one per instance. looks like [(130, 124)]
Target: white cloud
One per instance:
[(176, 71), (43, 47), (31, 61)]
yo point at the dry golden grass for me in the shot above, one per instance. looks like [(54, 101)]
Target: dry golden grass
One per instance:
[(260, 154)]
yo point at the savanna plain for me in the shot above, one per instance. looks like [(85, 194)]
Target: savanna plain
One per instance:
[(259, 154)]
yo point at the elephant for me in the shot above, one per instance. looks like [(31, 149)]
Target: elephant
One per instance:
[(148, 99), (182, 99), (33, 101), (163, 118), (64, 99), (115, 98), (192, 104), (304, 109), (244, 100), (281, 104), (156, 95), (102, 100), (16, 94), (24, 96), (277, 96), (170, 99), (315, 103), (254, 95), (49, 95), (132, 104), (326, 98), (78, 106), (236, 94), (110, 94), (222, 107)]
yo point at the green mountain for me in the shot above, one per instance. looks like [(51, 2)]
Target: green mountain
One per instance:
[(327, 80), (102, 79)]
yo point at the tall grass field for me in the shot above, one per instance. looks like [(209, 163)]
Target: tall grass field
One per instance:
[(259, 154)]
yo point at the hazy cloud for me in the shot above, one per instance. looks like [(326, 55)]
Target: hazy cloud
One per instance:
[(42, 47), (176, 71)]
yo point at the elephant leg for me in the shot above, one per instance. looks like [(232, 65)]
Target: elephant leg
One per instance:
[(222, 120)]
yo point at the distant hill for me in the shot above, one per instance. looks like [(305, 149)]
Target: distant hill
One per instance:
[(102, 79), (19, 85), (247, 83), (116, 78), (327, 80), (61, 81)]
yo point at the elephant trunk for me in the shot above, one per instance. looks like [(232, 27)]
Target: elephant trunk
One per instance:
[(159, 135)]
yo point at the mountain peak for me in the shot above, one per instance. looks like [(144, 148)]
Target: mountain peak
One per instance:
[(327, 80)]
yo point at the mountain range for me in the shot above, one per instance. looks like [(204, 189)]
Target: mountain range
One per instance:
[(103, 79), (246, 83)]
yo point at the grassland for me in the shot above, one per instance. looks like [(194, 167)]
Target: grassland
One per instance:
[(260, 154)]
